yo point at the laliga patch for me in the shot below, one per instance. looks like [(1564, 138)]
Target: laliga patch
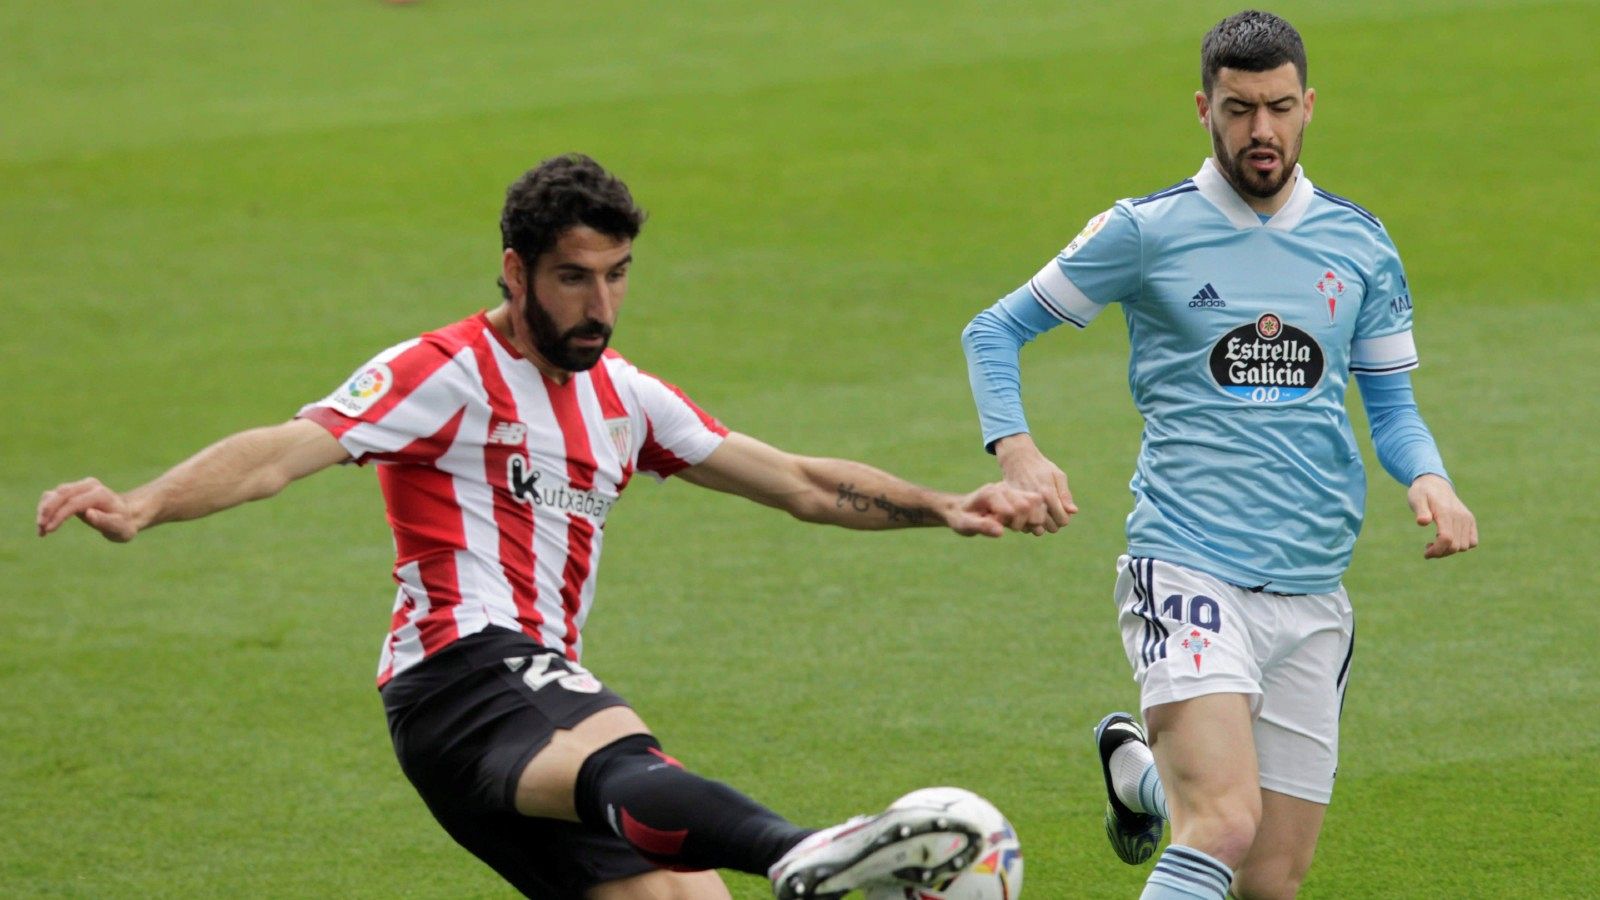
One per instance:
[(364, 388), (1267, 361), (1089, 231)]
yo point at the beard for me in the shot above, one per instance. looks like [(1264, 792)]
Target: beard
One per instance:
[(557, 346), (1247, 180)]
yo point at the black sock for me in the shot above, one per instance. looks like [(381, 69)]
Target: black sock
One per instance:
[(675, 818)]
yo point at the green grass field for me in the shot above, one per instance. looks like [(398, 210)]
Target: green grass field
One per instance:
[(211, 212)]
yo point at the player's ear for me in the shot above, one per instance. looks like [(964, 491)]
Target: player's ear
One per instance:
[(1203, 106), (514, 272), (1311, 99)]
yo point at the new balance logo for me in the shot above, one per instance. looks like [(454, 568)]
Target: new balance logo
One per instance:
[(1208, 298), (509, 433)]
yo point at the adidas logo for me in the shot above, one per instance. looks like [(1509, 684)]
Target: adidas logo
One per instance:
[(1207, 298)]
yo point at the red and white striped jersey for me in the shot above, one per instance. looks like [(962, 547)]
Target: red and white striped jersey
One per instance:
[(498, 480)]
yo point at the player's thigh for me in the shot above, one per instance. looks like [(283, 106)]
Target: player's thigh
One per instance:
[(1203, 747), (1285, 844), (545, 786), (1297, 732), (662, 885), (543, 858)]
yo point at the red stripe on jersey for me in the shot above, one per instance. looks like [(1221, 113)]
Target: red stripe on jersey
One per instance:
[(336, 422), (421, 500), (580, 475), (428, 530), (426, 450), (611, 407), (655, 458), (513, 519)]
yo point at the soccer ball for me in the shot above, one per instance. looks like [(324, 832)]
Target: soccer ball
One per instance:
[(997, 872)]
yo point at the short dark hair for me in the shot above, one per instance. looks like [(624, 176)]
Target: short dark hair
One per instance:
[(1251, 41), (560, 193)]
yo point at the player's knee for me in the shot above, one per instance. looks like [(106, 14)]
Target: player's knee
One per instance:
[(1252, 884), (1278, 878), (1224, 831)]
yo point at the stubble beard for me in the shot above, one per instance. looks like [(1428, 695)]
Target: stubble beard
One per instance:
[(1246, 180)]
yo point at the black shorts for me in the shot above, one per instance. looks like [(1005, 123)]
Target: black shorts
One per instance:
[(466, 721)]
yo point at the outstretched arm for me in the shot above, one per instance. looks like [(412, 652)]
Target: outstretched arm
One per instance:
[(856, 495), (250, 465)]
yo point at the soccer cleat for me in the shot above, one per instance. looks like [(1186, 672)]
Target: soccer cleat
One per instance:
[(1134, 835), (915, 845)]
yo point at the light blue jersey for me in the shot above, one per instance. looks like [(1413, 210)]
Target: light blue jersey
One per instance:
[(1244, 334)]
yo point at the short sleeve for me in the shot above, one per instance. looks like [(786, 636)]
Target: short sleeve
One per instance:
[(678, 433), (1383, 343), (1099, 267), (396, 407)]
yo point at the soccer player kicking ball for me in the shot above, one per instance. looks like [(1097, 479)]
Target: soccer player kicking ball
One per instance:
[(1251, 297), (502, 443)]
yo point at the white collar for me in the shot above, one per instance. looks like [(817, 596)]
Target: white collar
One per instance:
[(1215, 188)]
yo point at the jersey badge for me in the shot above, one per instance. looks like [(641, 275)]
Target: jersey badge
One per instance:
[(1089, 231), (364, 388), (1267, 361), (1330, 287), (621, 431)]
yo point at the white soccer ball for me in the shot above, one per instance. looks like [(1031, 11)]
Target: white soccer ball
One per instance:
[(996, 874)]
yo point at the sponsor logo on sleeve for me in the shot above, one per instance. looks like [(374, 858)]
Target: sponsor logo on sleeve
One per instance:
[(1089, 231), (1267, 361), (364, 388)]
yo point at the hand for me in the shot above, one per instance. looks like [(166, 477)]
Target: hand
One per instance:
[(1028, 469), (993, 508), (103, 509), (1434, 501)]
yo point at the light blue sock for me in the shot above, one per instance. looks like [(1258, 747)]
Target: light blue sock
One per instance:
[(1138, 786), (1184, 873), (1152, 796)]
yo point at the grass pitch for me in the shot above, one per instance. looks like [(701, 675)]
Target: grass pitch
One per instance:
[(211, 212)]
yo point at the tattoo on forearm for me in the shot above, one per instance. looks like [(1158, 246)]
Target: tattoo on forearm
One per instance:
[(856, 501)]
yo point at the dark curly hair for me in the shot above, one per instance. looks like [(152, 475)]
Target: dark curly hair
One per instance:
[(560, 193), (1250, 41)]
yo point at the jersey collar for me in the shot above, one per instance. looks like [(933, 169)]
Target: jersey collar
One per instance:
[(1215, 188)]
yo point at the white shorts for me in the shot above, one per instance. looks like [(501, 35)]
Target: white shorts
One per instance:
[(1188, 634)]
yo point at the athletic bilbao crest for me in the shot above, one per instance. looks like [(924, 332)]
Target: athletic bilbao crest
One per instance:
[(1267, 361), (621, 431), (1196, 643), (1330, 287)]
